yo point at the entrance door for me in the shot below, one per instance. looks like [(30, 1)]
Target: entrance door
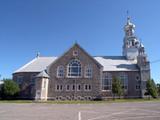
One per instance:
[(38, 95)]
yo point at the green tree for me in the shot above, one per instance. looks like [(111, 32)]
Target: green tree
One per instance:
[(116, 87), (158, 89), (9, 89), (151, 88)]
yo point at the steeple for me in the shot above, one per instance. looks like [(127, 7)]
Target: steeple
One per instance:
[(131, 42), (129, 28)]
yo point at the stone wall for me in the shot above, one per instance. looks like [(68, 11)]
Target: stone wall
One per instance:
[(131, 92), (26, 86), (85, 59)]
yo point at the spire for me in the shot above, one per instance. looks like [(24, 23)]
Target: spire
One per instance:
[(128, 18), (131, 42), (141, 49), (38, 54), (129, 28)]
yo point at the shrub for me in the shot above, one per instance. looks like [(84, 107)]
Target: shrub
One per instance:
[(151, 88), (117, 87), (10, 89)]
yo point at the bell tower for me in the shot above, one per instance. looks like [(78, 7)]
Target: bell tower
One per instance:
[(144, 66), (130, 43)]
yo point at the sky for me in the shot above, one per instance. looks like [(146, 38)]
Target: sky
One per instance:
[(52, 26)]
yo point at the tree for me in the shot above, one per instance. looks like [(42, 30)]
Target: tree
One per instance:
[(116, 87), (9, 89), (151, 88), (158, 89)]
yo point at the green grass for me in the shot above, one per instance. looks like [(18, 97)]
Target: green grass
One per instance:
[(16, 101), (82, 102)]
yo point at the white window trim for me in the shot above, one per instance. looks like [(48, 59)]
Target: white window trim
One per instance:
[(88, 67), (125, 78), (59, 87), (69, 87), (68, 66), (58, 74), (78, 87), (109, 77), (72, 87), (75, 52), (87, 87)]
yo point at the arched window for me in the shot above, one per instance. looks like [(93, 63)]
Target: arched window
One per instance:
[(60, 71), (74, 68), (88, 71), (107, 81), (124, 80)]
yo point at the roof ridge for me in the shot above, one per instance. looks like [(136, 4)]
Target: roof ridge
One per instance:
[(47, 57)]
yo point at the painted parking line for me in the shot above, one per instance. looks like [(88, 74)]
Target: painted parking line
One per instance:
[(100, 117), (79, 115)]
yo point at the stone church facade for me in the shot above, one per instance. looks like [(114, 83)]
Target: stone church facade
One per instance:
[(78, 75)]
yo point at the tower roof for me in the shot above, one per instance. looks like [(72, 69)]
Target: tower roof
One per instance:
[(129, 24), (42, 74)]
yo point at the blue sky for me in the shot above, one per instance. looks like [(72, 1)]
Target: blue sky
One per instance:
[(52, 26)]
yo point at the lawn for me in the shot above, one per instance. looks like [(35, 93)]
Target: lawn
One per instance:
[(81, 102)]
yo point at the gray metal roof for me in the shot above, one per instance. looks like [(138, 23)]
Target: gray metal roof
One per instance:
[(109, 63), (43, 74), (116, 63), (38, 64)]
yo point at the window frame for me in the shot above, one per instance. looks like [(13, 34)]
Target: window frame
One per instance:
[(59, 86), (88, 71), (87, 86), (78, 85), (108, 77), (70, 69), (72, 87), (124, 79), (75, 52), (67, 87), (138, 83), (59, 70)]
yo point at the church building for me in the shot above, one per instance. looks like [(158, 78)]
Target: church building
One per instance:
[(77, 75)]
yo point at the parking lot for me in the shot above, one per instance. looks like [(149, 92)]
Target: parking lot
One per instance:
[(110, 111)]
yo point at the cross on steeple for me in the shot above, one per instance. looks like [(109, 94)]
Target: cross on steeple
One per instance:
[(128, 17)]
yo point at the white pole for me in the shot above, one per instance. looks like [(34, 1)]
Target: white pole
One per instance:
[(79, 115)]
